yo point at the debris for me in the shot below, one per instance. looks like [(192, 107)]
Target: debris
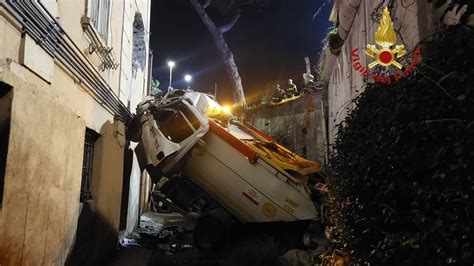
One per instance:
[(296, 257), (129, 242)]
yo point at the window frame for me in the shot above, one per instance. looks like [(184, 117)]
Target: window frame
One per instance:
[(166, 127), (90, 140), (98, 23)]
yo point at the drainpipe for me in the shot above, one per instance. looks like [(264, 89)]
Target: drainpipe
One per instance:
[(150, 72)]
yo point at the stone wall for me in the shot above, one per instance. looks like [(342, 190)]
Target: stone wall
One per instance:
[(300, 125)]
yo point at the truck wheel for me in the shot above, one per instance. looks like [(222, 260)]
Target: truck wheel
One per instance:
[(212, 229)]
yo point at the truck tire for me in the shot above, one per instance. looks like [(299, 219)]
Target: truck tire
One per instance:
[(212, 229)]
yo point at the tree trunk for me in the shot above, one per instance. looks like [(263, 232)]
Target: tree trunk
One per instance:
[(225, 53)]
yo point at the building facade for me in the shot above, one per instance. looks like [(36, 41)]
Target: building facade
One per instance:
[(357, 22), (71, 75)]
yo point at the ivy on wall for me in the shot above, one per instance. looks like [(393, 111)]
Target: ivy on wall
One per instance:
[(403, 183)]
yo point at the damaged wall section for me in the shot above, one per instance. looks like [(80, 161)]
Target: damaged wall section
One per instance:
[(139, 53)]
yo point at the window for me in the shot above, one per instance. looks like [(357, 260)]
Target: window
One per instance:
[(190, 117), (173, 125), (95, 24), (86, 183), (6, 97), (177, 124), (100, 14)]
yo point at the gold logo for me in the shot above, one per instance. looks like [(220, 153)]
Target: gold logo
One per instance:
[(385, 37), (269, 209)]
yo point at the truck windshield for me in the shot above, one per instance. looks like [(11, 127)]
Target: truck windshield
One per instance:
[(178, 124), (190, 116), (173, 125)]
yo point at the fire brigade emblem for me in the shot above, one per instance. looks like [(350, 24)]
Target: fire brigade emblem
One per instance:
[(385, 38)]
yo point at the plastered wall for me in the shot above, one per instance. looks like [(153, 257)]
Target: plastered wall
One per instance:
[(41, 201), (39, 213), (344, 82)]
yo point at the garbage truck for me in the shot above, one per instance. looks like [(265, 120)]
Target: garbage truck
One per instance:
[(216, 168)]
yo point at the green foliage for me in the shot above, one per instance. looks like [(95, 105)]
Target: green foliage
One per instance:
[(333, 29), (404, 165), (155, 86)]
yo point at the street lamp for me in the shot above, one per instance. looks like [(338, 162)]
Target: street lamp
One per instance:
[(171, 64), (188, 78)]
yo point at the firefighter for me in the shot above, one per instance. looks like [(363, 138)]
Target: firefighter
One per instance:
[(309, 84), (292, 90), (278, 94)]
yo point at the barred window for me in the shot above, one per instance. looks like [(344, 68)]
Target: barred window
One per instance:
[(86, 183), (100, 15)]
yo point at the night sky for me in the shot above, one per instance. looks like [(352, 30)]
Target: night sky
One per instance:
[(269, 44)]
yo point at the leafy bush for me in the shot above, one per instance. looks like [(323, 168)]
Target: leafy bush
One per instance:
[(403, 187)]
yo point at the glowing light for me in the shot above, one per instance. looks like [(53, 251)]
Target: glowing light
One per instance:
[(226, 109), (171, 64), (188, 78), (213, 109)]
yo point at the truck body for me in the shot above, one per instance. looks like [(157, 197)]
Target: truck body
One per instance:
[(244, 170)]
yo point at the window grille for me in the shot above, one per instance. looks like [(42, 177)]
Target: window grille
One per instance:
[(96, 26), (100, 15), (86, 183)]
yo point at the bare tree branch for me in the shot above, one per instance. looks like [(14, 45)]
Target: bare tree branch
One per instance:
[(227, 27), (245, 3), (203, 15), (206, 4), (223, 50)]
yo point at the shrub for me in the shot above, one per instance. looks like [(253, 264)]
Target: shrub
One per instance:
[(403, 188)]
